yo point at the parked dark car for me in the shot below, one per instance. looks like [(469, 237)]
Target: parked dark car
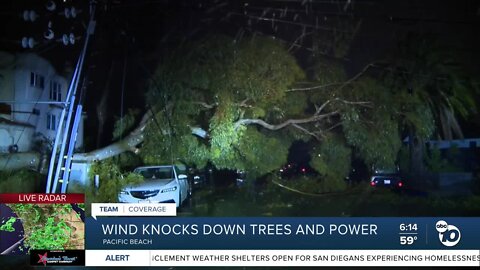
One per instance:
[(389, 178), (292, 170)]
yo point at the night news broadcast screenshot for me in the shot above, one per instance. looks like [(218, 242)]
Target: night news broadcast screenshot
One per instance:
[(245, 134)]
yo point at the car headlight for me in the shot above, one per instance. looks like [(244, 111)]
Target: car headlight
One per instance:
[(169, 189)]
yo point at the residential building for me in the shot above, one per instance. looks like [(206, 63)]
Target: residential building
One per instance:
[(31, 92)]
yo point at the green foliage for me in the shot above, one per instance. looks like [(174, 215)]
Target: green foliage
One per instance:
[(127, 161), (327, 71), (212, 83), (373, 131), (292, 106), (215, 82), (332, 159), (112, 181), (163, 148), (224, 137), (261, 153), (435, 81), (20, 181), (262, 70)]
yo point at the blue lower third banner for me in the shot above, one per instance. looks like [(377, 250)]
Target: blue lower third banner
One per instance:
[(171, 241)]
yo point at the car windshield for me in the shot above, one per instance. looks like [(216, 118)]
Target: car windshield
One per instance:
[(181, 169), (156, 173)]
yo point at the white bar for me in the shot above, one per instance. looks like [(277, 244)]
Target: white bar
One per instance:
[(290, 258), (134, 209)]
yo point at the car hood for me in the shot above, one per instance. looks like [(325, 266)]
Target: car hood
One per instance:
[(150, 185)]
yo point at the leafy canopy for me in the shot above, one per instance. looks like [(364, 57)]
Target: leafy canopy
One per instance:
[(247, 100), (212, 84)]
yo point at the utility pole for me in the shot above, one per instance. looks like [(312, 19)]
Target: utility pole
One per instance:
[(67, 132)]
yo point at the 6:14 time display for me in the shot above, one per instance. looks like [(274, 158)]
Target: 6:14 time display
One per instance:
[(408, 227)]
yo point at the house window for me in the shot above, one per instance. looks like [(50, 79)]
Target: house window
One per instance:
[(55, 91), (35, 112), (51, 121), (37, 80)]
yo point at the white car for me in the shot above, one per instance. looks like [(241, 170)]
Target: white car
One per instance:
[(162, 184)]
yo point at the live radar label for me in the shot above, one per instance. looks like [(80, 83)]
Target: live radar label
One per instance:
[(41, 198)]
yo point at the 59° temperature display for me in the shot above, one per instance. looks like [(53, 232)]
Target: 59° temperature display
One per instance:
[(408, 233)]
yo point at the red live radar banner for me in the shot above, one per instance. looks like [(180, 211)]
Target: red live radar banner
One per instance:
[(41, 198)]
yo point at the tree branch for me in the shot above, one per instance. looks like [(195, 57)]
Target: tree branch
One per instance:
[(129, 143), (244, 103), (307, 131), (319, 109), (266, 125), (356, 76), (361, 103), (205, 105)]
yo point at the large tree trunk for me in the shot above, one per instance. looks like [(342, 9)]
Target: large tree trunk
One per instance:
[(32, 160), (129, 143)]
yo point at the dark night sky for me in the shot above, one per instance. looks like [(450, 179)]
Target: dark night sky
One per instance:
[(135, 31)]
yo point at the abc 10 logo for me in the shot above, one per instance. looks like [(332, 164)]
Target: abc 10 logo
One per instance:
[(449, 235)]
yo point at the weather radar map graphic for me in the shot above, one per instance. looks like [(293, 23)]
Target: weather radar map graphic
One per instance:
[(26, 227)]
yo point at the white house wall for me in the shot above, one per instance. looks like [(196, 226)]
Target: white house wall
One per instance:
[(6, 140), (52, 109), (19, 135), (15, 84), (24, 92)]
